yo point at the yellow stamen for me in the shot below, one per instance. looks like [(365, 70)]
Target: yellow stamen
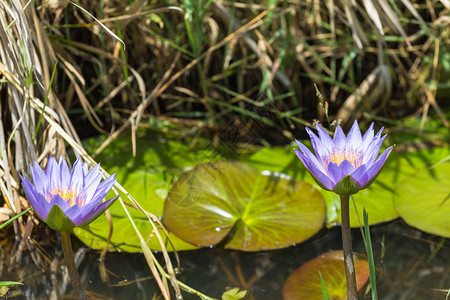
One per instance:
[(68, 195), (339, 156)]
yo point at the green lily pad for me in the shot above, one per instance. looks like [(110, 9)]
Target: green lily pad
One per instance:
[(147, 177), (424, 200), (304, 283), (248, 210)]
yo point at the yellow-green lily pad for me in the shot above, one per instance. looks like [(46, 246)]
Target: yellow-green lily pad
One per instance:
[(234, 203), (424, 200)]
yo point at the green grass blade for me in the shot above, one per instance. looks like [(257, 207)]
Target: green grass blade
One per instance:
[(123, 56), (8, 283), (324, 288), (369, 251), (45, 102), (13, 218)]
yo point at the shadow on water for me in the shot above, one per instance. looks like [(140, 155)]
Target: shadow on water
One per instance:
[(410, 265)]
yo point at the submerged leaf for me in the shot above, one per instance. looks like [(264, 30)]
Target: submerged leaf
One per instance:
[(305, 282)]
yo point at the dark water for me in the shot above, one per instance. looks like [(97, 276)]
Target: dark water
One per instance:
[(411, 265)]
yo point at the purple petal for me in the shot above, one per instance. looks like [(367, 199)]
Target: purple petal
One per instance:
[(85, 169), (92, 175), (334, 172), (91, 187), (373, 150), (354, 138), (44, 205), (368, 137), (56, 199), (86, 211), (31, 195), (76, 177), (360, 175), (308, 154), (52, 172), (73, 212), (339, 139), (92, 215), (103, 189), (319, 148), (373, 171), (64, 173), (316, 173), (326, 139), (40, 181), (346, 167)]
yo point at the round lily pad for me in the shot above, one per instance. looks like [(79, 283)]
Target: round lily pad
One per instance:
[(248, 210), (424, 200), (304, 283)]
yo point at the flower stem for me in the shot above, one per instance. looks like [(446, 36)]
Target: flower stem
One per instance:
[(71, 267), (347, 246)]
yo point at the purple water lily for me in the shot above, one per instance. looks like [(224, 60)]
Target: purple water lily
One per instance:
[(65, 199), (344, 165)]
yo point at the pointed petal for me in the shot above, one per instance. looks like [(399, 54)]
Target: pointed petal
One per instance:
[(31, 195), (40, 181), (103, 188), (319, 148), (92, 175), (64, 173), (354, 139), (326, 139), (84, 220), (52, 173), (322, 179), (367, 138), (92, 187), (44, 205), (85, 169), (375, 169), (308, 154), (76, 177), (373, 150), (339, 139)]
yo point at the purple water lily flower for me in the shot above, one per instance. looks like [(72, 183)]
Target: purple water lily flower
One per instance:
[(344, 165), (65, 199)]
